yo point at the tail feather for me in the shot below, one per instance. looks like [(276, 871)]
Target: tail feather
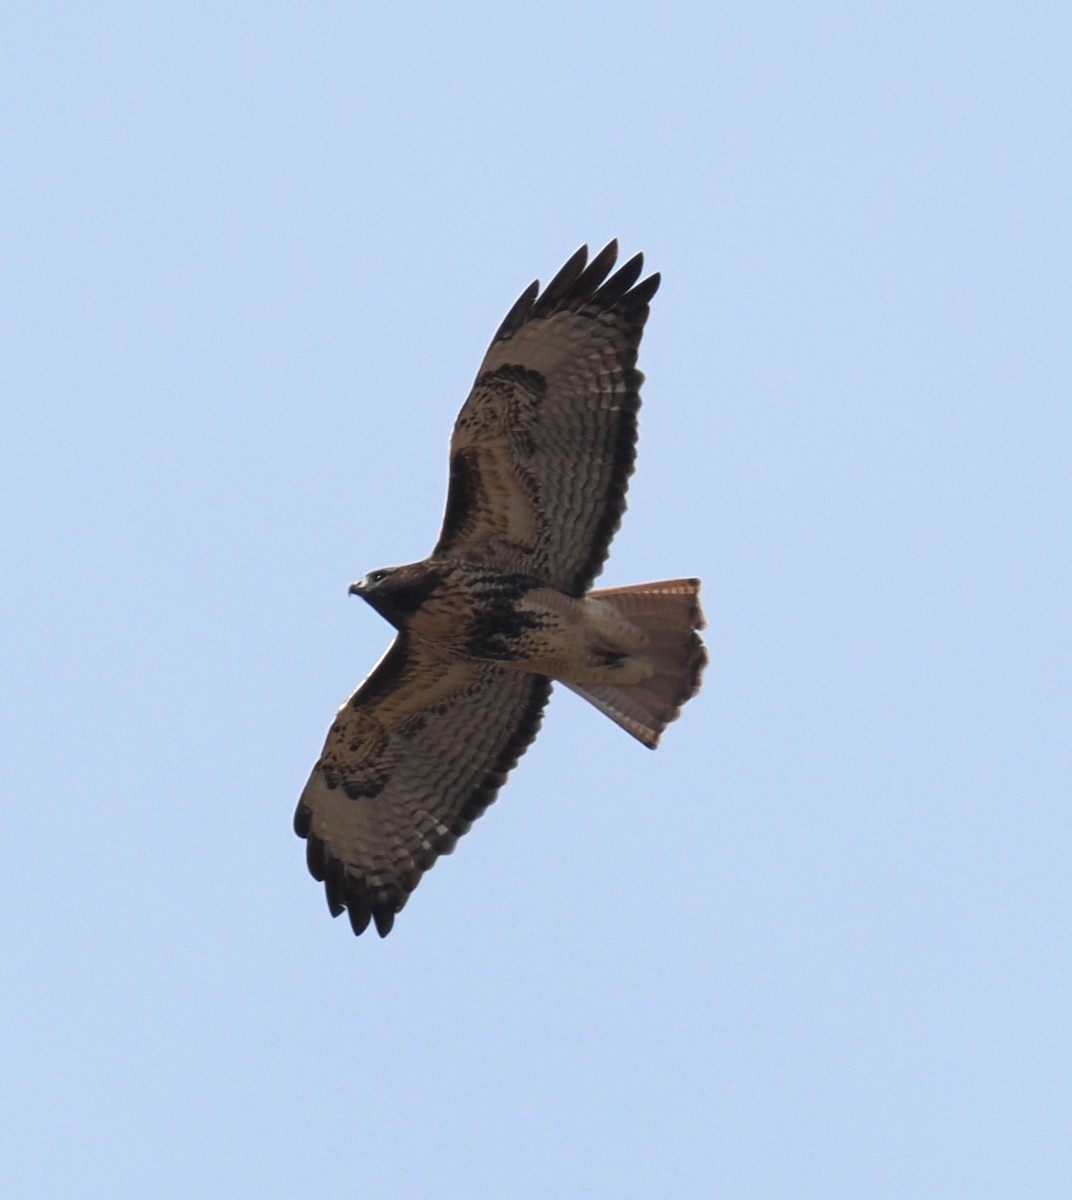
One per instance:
[(668, 612)]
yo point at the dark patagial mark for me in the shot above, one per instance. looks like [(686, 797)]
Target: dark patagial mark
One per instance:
[(465, 494)]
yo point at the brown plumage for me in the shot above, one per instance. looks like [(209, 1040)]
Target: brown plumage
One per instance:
[(540, 458)]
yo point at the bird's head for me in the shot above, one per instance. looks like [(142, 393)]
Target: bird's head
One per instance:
[(396, 592), (371, 582)]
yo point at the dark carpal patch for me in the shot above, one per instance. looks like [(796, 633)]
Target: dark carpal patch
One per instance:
[(358, 782), (362, 789), (530, 381), (522, 392)]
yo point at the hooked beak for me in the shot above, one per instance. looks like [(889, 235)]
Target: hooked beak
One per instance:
[(355, 589)]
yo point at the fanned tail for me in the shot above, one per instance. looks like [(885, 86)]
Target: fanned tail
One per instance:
[(668, 612)]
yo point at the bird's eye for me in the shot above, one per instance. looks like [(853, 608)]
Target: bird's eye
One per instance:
[(377, 576)]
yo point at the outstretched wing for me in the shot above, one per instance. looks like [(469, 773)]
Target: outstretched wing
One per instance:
[(412, 759), (543, 447)]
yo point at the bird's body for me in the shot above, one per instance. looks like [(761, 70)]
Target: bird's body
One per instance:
[(475, 614), (540, 457)]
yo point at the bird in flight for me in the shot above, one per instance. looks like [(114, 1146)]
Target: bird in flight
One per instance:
[(540, 457)]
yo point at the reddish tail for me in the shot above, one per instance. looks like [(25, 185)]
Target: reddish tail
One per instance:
[(669, 614)]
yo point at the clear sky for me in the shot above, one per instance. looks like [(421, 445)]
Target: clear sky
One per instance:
[(818, 945)]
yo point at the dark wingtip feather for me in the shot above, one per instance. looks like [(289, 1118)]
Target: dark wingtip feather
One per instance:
[(303, 820), (315, 857), (335, 886), (595, 286), (580, 282), (519, 313), (620, 282), (563, 284), (647, 288), (360, 913), (597, 270)]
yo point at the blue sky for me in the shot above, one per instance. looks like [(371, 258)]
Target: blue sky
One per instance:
[(817, 945)]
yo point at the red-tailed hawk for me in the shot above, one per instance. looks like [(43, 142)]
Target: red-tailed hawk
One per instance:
[(539, 461)]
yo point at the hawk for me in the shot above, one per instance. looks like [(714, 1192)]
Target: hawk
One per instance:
[(540, 457)]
